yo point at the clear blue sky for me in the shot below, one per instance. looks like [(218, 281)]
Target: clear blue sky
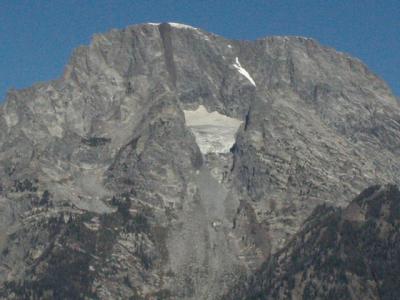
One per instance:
[(37, 36)]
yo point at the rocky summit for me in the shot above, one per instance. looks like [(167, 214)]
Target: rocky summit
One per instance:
[(171, 163)]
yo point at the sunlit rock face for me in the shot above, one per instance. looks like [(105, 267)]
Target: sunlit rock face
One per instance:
[(214, 132)]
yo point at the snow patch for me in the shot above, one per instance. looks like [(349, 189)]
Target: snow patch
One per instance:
[(243, 71), (214, 132), (230, 46), (181, 26), (154, 24)]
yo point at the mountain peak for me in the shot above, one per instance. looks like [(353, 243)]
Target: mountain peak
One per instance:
[(166, 153)]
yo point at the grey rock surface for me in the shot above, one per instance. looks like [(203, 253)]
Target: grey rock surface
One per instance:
[(102, 180), (350, 253)]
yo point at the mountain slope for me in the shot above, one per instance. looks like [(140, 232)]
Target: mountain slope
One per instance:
[(109, 147), (350, 253)]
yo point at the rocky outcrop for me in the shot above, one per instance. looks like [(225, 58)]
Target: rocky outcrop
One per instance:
[(107, 148), (350, 253)]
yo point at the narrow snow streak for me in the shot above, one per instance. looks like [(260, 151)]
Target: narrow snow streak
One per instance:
[(176, 25), (181, 26), (243, 71)]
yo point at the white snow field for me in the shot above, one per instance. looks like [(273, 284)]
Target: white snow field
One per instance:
[(214, 132)]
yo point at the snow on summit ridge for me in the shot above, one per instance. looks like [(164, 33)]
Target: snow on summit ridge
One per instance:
[(173, 24), (181, 26)]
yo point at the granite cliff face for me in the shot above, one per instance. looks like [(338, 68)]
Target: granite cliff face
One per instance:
[(351, 253), (168, 162)]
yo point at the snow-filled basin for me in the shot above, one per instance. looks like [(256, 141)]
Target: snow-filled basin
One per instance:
[(214, 132)]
